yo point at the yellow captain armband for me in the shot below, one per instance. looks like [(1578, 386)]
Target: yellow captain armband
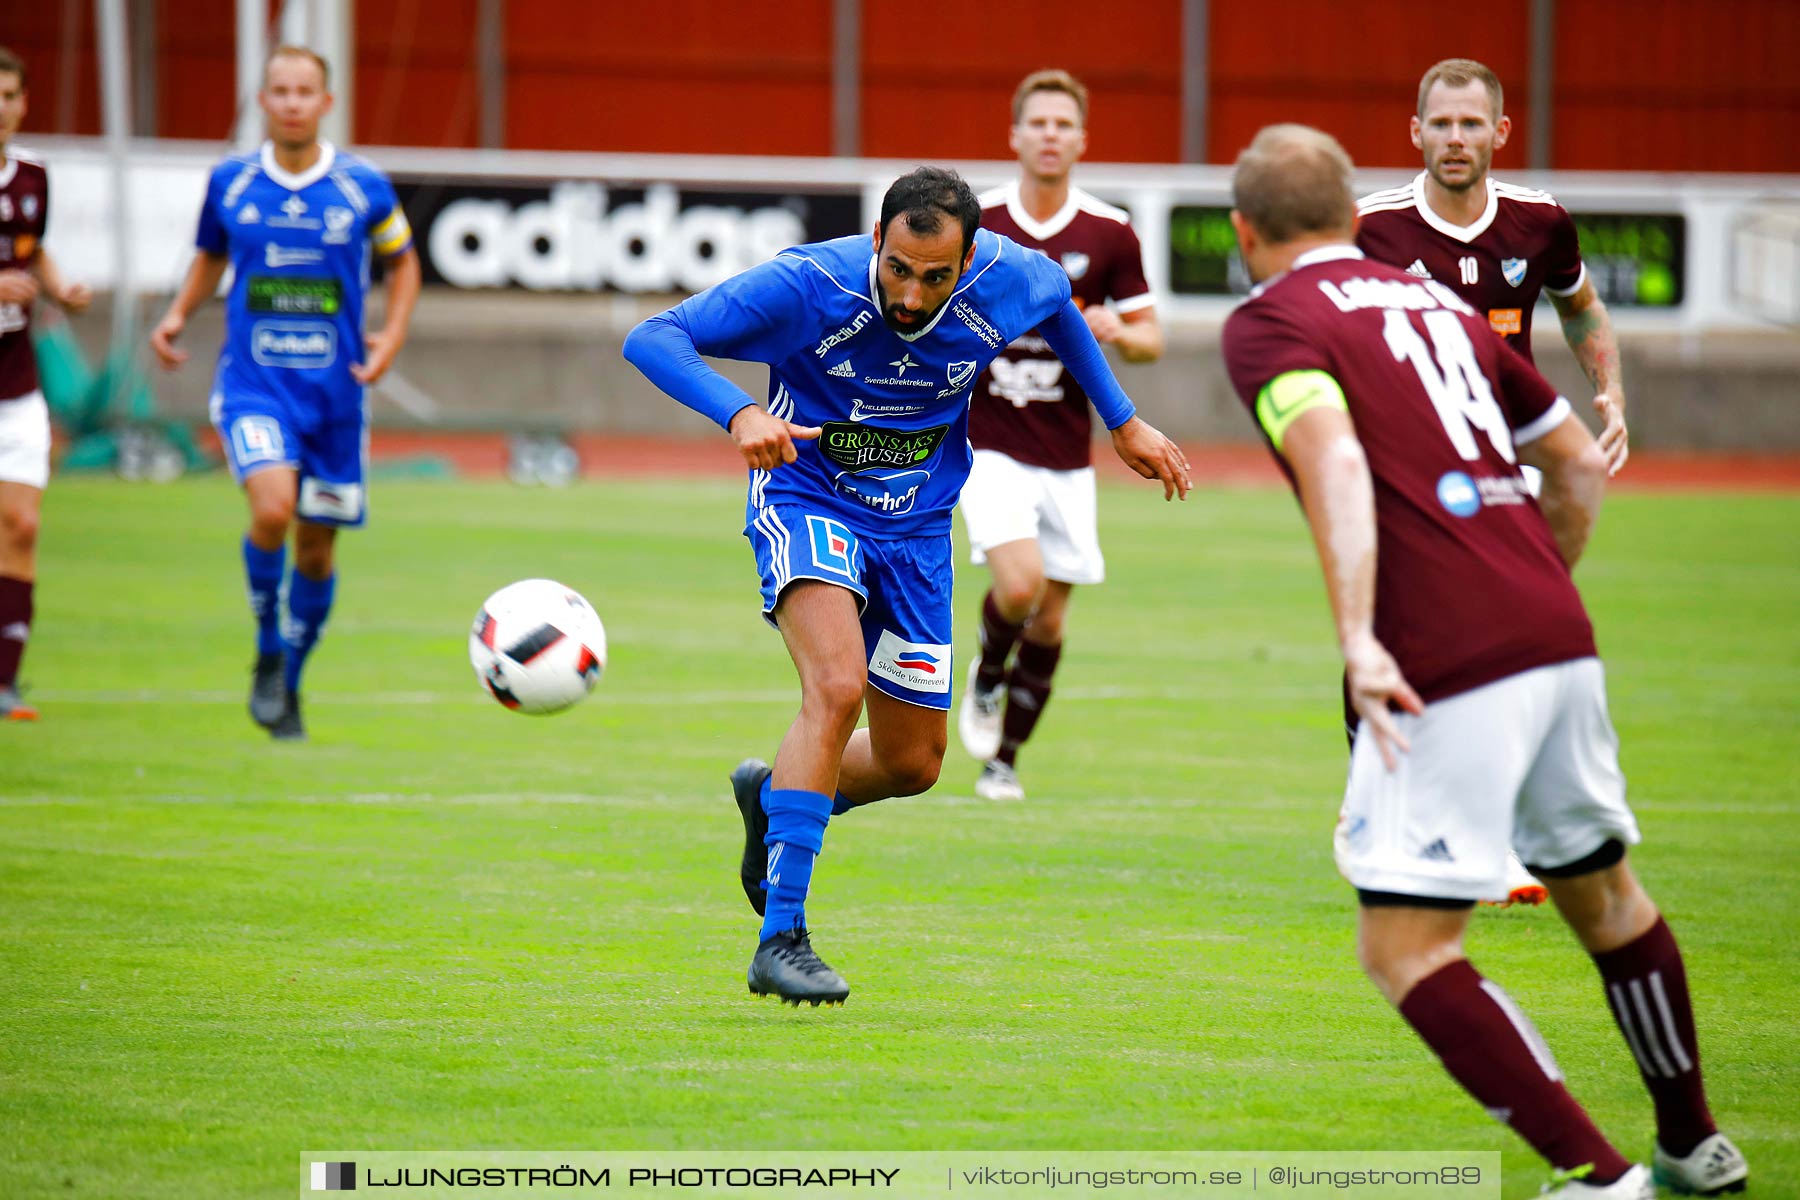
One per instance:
[(1286, 396), (392, 235)]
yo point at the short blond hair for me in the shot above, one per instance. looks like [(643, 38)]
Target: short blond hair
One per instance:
[(1461, 72), (1050, 80), (1293, 180), (289, 50)]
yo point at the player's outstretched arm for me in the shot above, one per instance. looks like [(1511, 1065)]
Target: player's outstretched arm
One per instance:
[(202, 280), (1339, 497), (1587, 327), (1575, 471), (1148, 451)]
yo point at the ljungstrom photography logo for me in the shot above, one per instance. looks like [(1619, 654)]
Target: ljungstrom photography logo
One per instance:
[(334, 1177)]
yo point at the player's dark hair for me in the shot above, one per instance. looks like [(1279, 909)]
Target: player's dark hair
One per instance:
[(1461, 72), (288, 50), (1293, 180), (1050, 80), (924, 196), (11, 63)]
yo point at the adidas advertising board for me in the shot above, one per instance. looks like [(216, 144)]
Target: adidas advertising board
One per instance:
[(586, 235)]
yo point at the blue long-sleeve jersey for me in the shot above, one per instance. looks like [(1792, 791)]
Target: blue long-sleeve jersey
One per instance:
[(893, 408)]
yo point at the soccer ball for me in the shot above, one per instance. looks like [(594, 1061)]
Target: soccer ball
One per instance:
[(537, 646)]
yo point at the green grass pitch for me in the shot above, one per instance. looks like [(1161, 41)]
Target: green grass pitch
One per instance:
[(441, 925)]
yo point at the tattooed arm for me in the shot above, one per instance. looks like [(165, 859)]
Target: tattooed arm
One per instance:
[(1588, 329)]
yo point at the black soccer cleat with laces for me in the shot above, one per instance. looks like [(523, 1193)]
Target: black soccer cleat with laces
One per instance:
[(289, 727), (746, 788), (786, 966), (268, 690)]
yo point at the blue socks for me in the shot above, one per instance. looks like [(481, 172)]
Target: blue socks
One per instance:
[(797, 822), (308, 603), (263, 569)]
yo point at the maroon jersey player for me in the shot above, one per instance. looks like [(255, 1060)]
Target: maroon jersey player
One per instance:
[(1496, 244), (1469, 662), (26, 271), (1029, 503)]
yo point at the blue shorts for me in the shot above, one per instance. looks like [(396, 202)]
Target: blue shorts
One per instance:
[(263, 428), (902, 589)]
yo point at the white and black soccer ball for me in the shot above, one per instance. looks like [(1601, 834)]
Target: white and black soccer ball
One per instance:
[(537, 646)]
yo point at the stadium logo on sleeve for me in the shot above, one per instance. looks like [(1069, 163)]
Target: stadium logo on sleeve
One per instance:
[(1513, 270), (917, 666), (1457, 493), (833, 545)]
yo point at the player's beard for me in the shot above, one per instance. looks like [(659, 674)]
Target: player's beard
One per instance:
[(921, 317)]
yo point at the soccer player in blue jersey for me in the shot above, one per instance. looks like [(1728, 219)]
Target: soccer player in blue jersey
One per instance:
[(298, 222), (856, 462)]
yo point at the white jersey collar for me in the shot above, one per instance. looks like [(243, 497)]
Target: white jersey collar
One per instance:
[(1042, 231), (1462, 233), (306, 178)]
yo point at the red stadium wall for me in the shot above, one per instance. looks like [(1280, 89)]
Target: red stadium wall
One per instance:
[(1352, 69), (1678, 85), (949, 95), (692, 77), (1672, 85)]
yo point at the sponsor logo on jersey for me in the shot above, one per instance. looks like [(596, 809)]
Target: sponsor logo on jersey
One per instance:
[(1456, 492), (293, 216), (338, 220), (846, 333), (1075, 263), (6, 207), (978, 324), (862, 410), (901, 366), (290, 256), (1513, 270), (843, 371), (858, 448), (1419, 269), (295, 295), (918, 666), (833, 545), (891, 494), (1506, 320), (293, 344), (249, 215), (1022, 381)]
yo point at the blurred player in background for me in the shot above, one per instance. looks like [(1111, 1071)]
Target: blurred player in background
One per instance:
[(1029, 503), (1469, 660), (296, 221), (1497, 246), (855, 463), (26, 272)]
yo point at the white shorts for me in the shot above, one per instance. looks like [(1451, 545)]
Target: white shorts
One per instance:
[(1530, 761), (25, 440), (1008, 501)]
